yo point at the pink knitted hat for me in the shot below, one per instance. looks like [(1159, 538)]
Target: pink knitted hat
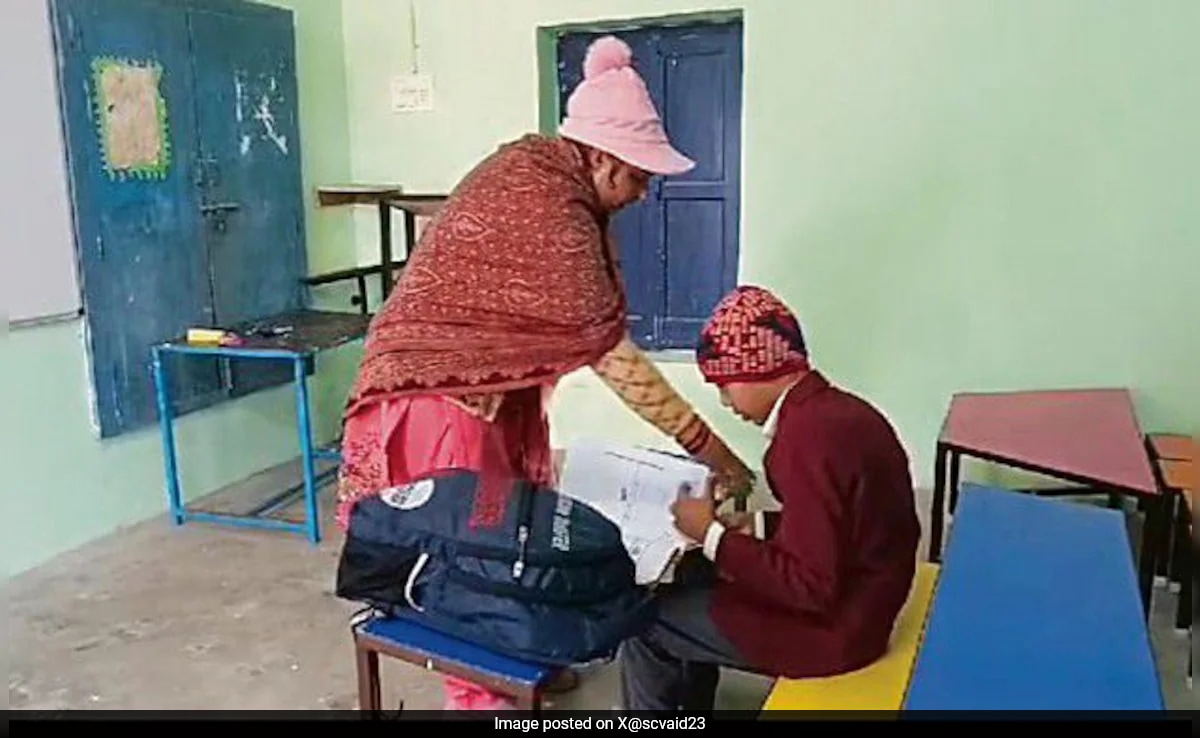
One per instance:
[(611, 110)]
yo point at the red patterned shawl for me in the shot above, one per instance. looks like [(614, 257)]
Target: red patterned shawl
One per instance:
[(513, 283)]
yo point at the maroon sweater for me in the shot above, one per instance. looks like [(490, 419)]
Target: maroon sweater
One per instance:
[(820, 595)]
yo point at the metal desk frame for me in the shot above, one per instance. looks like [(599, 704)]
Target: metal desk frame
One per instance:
[(385, 198), (256, 518)]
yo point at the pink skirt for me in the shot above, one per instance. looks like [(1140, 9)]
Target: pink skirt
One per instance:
[(409, 438)]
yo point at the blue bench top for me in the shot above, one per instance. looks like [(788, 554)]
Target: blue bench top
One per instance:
[(430, 643), (1037, 608)]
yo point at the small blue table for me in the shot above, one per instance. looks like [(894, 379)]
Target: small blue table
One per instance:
[(308, 333), (1037, 608)]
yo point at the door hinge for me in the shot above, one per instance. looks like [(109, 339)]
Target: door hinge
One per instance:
[(115, 394)]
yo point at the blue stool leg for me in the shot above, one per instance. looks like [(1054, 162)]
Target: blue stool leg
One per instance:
[(306, 451), (162, 390)]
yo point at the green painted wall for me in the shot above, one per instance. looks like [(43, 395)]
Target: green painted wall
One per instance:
[(956, 194), (61, 486)]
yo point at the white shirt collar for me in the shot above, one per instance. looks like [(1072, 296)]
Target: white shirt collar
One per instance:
[(773, 419)]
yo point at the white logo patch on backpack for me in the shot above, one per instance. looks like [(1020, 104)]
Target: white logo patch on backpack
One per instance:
[(410, 496)]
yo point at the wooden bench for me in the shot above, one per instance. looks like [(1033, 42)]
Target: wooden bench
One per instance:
[(1175, 461), (880, 686), (1172, 446), (397, 638), (1189, 498), (1038, 608), (1180, 473)]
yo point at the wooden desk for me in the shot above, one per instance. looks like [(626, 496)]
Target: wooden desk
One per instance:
[(1087, 436), (384, 198), (1036, 609)]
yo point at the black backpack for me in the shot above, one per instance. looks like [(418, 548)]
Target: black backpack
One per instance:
[(552, 583)]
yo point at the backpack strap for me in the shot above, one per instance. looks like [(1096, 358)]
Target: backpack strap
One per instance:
[(412, 579)]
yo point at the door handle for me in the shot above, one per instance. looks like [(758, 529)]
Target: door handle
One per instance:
[(218, 207)]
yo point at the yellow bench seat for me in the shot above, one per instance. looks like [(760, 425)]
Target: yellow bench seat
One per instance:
[(880, 686)]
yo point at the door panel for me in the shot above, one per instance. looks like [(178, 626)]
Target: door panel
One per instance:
[(702, 68), (126, 96), (695, 274), (248, 153)]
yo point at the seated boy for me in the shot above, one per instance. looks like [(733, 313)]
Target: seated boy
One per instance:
[(812, 590)]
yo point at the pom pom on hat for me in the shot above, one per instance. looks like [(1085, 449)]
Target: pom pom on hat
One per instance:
[(611, 110), (606, 54)]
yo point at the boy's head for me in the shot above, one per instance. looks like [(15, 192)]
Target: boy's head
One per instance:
[(752, 349)]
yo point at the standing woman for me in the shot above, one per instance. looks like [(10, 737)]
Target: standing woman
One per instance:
[(514, 284)]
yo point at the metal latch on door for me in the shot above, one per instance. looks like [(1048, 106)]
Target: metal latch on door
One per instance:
[(218, 211)]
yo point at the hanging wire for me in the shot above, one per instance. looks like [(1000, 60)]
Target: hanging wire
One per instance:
[(412, 35)]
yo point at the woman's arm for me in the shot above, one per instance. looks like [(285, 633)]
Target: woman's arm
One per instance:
[(630, 373)]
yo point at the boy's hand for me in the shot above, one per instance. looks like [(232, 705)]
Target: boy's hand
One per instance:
[(693, 515)]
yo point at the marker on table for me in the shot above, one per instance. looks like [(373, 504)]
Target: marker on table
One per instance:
[(207, 336), (217, 337)]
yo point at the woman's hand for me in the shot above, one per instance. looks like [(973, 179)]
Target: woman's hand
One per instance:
[(735, 485), (734, 480), (740, 522)]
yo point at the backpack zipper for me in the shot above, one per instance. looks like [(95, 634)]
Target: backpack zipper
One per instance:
[(475, 550), (519, 564), (525, 594), (522, 558), (524, 519)]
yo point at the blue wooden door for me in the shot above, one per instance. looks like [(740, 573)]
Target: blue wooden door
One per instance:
[(679, 247), (123, 64), (183, 155), (248, 152)]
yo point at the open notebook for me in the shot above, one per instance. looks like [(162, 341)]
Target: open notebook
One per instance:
[(634, 487)]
